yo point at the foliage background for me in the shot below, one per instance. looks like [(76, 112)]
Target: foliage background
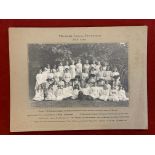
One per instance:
[(114, 54)]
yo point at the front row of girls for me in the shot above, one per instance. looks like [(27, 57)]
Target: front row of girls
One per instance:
[(82, 86)]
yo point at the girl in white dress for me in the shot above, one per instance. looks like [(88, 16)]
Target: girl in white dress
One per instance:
[(39, 79), (104, 93), (98, 66), (116, 75), (113, 95), (72, 70), (86, 67), (122, 94), (67, 76), (50, 93), (59, 93), (78, 67), (39, 94), (104, 66), (44, 80), (66, 66), (61, 69)]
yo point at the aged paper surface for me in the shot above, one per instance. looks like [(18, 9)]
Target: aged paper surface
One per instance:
[(28, 115)]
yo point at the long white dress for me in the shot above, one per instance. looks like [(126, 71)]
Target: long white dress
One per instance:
[(39, 95), (78, 68), (86, 67), (39, 80), (72, 71)]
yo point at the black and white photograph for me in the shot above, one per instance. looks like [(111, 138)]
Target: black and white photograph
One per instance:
[(78, 75)]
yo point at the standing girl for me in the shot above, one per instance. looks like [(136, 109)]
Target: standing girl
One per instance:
[(66, 66), (61, 69), (79, 67), (72, 70), (39, 93), (98, 66), (86, 67)]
